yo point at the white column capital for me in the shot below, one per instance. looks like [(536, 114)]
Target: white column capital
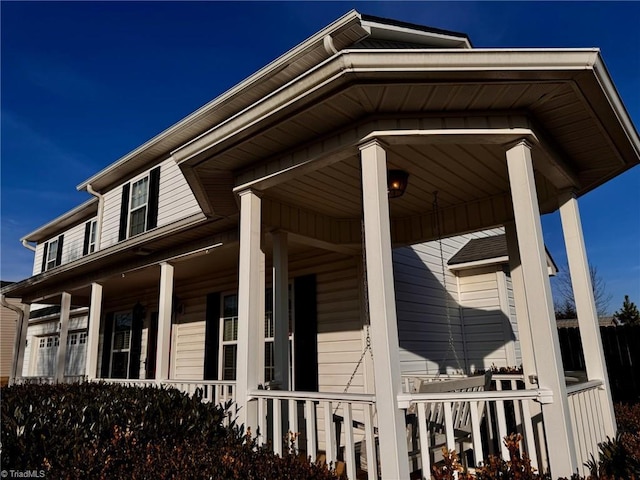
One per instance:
[(372, 142), (522, 142)]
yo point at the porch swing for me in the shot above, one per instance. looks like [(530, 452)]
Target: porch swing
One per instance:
[(458, 424)]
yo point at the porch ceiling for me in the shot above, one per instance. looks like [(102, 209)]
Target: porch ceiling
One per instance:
[(564, 99)]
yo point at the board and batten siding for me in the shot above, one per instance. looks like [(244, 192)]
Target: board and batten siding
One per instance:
[(175, 202), (429, 316), (72, 246)]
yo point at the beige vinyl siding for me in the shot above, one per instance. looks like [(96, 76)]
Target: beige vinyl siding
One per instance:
[(176, 201), (427, 315), (72, 246), (111, 217), (190, 324), (8, 321), (73, 243), (488, 330), (37, 258)]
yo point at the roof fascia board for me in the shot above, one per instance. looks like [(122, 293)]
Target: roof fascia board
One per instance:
[(350, 18), (604, 79), (63, 221), (348, 62)]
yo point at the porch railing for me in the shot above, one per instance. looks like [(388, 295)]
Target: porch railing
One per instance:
[(587, 421), (216, 391), (324, 426), (466, 422)]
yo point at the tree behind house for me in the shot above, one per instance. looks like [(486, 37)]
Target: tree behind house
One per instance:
[(628, 314), (564, 300)]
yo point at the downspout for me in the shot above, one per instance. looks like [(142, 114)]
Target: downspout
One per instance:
[(26, 244), (100, 198), (16, 347)]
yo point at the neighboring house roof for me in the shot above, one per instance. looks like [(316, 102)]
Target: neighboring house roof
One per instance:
[(4, 283), (488, 251)]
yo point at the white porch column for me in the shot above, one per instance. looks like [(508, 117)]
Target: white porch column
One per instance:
[(394, 456), (281, 308), (560, 442), (65, 309), (522, 309), (529, 368), (20, 344), (164, 322), (250, 284), (93, 333), (585, 304)]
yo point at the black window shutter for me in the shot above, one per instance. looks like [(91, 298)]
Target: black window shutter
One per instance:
[(45, 250), (59, 252), (87, 236), (124, 212), (106, 346), (154, 193), (212, 337), (306, 334), (136, 344)]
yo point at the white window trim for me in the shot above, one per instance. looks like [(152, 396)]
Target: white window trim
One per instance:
[(51, 263), (145, 205), (93, 226)]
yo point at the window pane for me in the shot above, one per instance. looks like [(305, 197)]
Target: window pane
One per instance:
[(121, 340), (269, 368), (229, 365), (119, 364), (137, 221), (230, 333), (139, 192), (230, 306)]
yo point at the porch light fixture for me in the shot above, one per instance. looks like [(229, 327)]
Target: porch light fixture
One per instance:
[(397, 181)]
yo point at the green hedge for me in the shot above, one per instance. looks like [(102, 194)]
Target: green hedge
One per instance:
[(99, 430)]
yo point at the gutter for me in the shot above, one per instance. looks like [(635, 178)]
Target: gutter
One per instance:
[(18, 339), (100, 198), (27, 245)]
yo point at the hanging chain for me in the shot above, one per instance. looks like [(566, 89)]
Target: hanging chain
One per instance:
[(451, 346), (367, 322)]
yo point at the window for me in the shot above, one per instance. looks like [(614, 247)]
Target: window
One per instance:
[(89, 237), (42, 343), (229, 335), (83, 338), (52, 253), (269, 333), (121, 345), (229, 326), (139, 208)]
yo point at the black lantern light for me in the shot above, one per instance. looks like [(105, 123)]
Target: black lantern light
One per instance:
[(397, 181)]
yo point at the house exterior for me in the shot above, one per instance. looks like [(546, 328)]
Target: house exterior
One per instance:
[(256, 251)]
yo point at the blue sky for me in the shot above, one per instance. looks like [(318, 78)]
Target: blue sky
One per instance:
[(83, 83)]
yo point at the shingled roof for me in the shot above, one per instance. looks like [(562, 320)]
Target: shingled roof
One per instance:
[(479, 249)]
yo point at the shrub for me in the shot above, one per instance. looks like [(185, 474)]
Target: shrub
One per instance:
[(98, 430)]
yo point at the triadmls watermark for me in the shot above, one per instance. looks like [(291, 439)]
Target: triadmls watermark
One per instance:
[(22, 473)]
